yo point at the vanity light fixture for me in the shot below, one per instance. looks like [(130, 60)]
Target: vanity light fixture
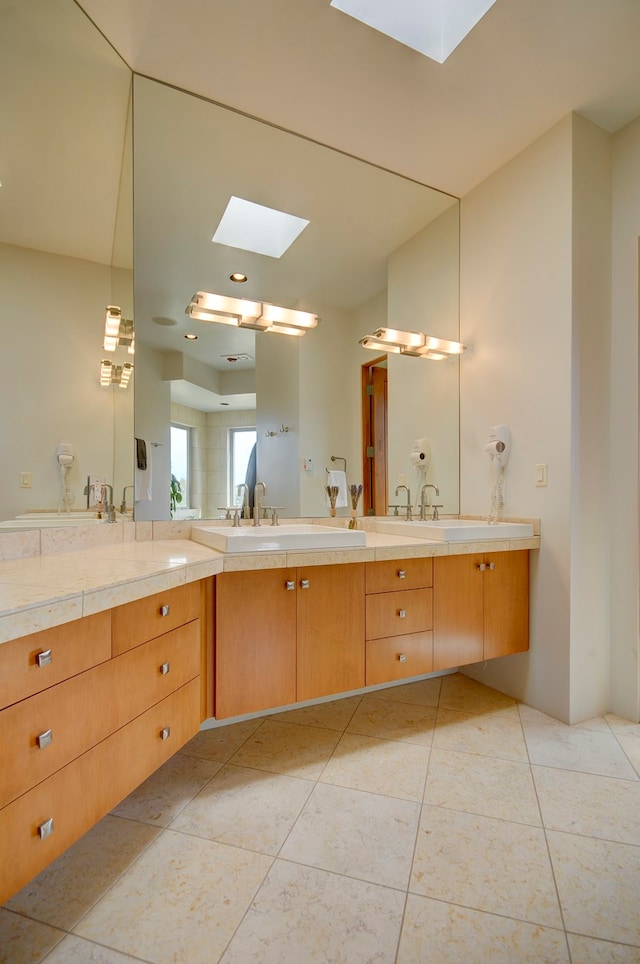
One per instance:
[(118, 331), (256, 315), (111, 374), (413, 343)]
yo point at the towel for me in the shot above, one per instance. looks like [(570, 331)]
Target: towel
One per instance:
[(142, 478), (340, 479), (141, 453)]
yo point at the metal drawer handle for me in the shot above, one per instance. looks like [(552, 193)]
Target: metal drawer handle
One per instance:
[(289, 584), (402, 657), (481, 566), (402, 574), (402, 613), (45, 829), (44, 739), (165, 610), (45, 657), (165, 733), (492, 565), (164, 669), (304, 583)]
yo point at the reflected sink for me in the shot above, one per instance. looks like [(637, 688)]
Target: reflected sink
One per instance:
[(264, 538), (456, 530)]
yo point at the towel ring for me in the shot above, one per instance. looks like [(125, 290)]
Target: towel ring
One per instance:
[(338, 458)]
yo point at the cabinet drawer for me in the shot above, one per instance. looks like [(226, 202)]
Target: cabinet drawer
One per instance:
[(80, 794), (397, 613), (64, 651), (45, 732), (136, 622), (398, 657), (395, 574)]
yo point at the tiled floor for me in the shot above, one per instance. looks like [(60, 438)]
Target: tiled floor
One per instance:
[(437, 821)]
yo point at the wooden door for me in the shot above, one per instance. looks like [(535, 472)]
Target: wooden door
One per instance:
[(331, 645), (374, 437), (255, 641), (458, 628), (506, 603)]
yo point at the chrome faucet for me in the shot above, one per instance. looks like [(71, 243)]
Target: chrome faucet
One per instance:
[(426, 505), (123, 504), (109, 510), (408, 505), (257, 501), (246, 512)]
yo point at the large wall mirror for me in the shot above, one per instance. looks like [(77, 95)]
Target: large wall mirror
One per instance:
[(378, 250), (65, 254)]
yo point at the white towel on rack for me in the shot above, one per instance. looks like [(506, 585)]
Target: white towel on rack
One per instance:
[(142, 480), (340, 479)]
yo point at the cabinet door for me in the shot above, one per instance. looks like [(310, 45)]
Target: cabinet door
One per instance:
[(458, 629), (330, 629), (255, 641), (506, 603)]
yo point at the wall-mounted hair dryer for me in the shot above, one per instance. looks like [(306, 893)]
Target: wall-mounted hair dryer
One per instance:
[(499, 445), (65, 457), (421, 454), (65, 454)]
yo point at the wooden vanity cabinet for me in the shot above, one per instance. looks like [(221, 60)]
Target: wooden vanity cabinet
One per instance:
[(481, 607), (286, 635), (399, 619), (82, 728)]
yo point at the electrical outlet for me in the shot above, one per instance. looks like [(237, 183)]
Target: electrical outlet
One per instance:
[(25, 480)]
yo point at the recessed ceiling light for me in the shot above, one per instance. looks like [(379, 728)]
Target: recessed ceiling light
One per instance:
[(224, 403), (191, 337), (432, 27), (164, 322), (254, 227), (238, 277)]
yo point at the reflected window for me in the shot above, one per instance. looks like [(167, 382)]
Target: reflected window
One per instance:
[(180, 437), (240, 442)]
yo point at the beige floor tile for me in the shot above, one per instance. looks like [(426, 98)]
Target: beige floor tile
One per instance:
[(462, 693), (486, 864), (75, 950), (392, 720), (631, 748), (220, 742), (71, 885), (494, 733), (569, 748), (181, 902), (589, 804), (628, 736), (442, 933), (529, 715), (482, 785), (380, 766), (306, 916), (587, 950), (332, 716), (160, 798), (246, 808), (424, 692), (24, 941), (300, 751), (598, 882), (358, 834)]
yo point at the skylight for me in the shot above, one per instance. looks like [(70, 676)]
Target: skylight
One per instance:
[(432, 27), (254, 227)]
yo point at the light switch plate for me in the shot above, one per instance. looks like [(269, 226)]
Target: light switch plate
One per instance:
[(541, 474)]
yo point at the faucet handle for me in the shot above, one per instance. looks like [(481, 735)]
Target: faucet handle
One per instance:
[(435, 507)]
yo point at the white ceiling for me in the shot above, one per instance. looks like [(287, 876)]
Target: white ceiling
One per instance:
[(310, 68)]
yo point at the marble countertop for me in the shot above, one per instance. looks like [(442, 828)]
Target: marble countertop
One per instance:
[(44, 590)]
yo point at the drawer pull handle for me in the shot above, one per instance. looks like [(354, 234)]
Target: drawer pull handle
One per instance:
[(304, 583), (402, 613), (482, 566), (492, 565), (289, 585), (165, 610), (164, 669), (165, 733), (402, 574), (44, 739), (45, 829), (402, 657), (45, 658)]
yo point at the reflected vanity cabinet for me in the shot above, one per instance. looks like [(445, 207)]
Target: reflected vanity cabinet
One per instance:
[(399, 619), (88, 710), (481, 607), (288, 635)]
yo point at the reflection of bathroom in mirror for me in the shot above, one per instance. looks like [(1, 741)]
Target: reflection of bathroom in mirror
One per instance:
[(65, 254), (379, 250)]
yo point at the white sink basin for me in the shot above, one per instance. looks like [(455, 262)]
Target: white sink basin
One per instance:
[(50, 521), (264, 538), (456, 530)]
